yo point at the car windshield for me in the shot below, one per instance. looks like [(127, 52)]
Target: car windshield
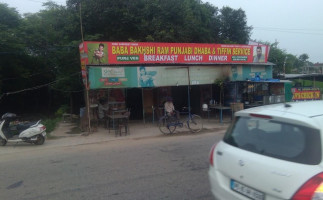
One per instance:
[(276, 139)]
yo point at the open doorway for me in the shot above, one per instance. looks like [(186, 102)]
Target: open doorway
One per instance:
[(134, 103)]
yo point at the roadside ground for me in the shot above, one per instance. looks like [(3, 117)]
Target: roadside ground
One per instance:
[(68, 134)]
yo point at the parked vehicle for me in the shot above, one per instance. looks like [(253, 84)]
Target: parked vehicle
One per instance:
[(30, 132), (271, 152)]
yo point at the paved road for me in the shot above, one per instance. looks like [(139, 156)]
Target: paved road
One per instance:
[(162, 167)]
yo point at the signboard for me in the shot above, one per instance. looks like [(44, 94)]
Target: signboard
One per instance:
[(300, 94), (123, 53), (144, 76)]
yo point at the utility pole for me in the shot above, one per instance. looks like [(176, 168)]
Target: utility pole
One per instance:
[(285, 65), (86, 79)]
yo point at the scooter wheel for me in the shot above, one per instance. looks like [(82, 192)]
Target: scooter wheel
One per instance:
[(40, 140), (3, 142)]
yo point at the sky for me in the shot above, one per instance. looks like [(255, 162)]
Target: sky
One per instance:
[(297, 25)]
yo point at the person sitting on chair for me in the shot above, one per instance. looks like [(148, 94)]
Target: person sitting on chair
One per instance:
[(102, 109), (170, 109)]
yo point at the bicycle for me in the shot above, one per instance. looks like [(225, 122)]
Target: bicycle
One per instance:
[(168, 124)]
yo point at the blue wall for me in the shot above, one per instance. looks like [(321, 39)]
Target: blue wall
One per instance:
[(264, 72)]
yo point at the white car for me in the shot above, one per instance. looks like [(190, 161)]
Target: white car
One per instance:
[(270, 152)]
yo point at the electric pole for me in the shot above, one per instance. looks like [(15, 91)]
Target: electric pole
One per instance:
[(285, 65)]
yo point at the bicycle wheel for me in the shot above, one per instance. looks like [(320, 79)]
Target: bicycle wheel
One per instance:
[(167, 125), (195, 123)]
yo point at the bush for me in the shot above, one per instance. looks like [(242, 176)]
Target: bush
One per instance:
[(51, 124), (63, 109)]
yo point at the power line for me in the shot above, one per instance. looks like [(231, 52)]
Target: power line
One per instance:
[(67, 91), (14, 78), (37, 1), (291, 29), (36, 87), (296, 31), (29, 76)]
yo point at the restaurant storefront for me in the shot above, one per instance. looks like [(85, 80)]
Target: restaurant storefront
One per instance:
[(139, 76), (256, 93)]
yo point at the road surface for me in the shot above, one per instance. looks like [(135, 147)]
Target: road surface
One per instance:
[(162, 167)]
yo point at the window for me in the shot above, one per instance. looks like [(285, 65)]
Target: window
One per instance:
[(276, 139)]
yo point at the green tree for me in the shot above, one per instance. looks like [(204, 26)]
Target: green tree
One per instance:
[(35, 51), (285, 63), (303, 57), (303, 63), (161, 21), (290, 64), (12, 54), (10, 21), (277, 56), (233, 26), (49, 36), (42, 48)]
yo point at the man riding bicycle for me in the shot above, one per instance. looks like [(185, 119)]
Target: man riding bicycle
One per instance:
[(170, 109), (167, 124)]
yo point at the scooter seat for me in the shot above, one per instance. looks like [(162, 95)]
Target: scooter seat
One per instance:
[(21, 127)]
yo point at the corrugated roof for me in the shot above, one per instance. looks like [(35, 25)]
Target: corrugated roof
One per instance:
[(291, 76)]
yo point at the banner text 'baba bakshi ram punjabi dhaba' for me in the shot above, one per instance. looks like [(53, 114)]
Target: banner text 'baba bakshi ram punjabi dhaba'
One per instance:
[(114, 53)]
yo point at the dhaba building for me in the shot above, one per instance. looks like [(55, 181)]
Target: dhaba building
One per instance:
[(139, 75)]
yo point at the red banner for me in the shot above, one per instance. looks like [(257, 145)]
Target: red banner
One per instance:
[(105, 53), (306, 94), (83, 57)]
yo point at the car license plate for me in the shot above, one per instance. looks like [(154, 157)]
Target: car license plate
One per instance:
[(246, 191)]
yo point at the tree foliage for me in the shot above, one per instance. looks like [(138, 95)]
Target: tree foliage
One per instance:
[(148, 20), (10, 21), (285, 63), (42, 48), (233, 28)]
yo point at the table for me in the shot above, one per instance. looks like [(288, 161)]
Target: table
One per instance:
[(118, 111), (220, 108), (116, 117)]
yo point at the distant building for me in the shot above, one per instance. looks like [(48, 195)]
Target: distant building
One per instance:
[(317, 68)]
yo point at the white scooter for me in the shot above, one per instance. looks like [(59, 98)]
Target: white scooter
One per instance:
[(29, 132)]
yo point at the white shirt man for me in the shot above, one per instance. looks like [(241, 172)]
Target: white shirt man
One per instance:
[(170, 109), (102, 110)]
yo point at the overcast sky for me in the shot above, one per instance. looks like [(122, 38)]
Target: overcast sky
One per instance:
[(296, 24)]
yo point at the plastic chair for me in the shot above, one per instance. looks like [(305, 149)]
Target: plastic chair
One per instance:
[(205, 108), (123, 124)]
